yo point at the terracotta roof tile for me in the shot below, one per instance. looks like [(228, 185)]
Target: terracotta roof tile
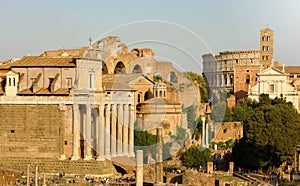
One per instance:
[(35, 61)]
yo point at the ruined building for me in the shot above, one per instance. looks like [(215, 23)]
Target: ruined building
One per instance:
[(237, 71), (80, 105)]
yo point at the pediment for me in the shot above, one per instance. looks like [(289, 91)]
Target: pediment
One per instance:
[(271, 71)]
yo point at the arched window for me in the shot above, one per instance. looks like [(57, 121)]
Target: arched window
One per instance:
[(160, 93), (156, 93), (172, 77), (137, 69), (140, 95), (248, 79), (120, 68)]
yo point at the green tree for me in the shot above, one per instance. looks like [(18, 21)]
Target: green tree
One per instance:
[(271, 131), (201, 82), (194, 157)]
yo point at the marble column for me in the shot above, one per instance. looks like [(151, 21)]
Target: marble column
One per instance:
[(159, 156), (88, 154), (125, 129), (206, 135), (203, 131), (131, 132), (113, 131), (76, 132), (139, 168), (107, 132), (101, 132), (120, 130)]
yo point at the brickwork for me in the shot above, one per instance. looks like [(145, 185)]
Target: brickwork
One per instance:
[(245, 76), (227, 131), (31, 130)]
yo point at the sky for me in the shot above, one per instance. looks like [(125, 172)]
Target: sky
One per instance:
[(177, 31)]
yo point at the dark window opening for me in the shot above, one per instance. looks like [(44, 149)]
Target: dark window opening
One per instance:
[(12, 131)]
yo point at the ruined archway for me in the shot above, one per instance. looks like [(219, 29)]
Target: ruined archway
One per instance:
[(137, 69), (120, 68), (148, 95), (172, 77)]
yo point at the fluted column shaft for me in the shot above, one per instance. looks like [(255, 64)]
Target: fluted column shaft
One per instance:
[(76, 132), (120, 130), (88, 154), (107, 132), (101, 131), (131, 131), (113, 131), (125, 129)]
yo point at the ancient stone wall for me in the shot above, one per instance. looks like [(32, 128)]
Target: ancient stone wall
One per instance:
[(227, 131), (31, 131)]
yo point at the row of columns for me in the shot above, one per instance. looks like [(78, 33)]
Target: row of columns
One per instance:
[(112, 126)]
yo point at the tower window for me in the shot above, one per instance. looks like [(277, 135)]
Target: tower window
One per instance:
[(248, 79)]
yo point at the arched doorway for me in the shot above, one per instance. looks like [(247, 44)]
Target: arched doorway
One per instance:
[(120, 68)]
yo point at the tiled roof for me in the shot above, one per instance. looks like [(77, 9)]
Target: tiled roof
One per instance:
[(59, 53), (35, 61), (119, 81), (45, 91), (292, 69)]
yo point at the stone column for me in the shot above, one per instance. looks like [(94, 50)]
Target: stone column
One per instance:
[(107, 132), (76, 132), (36, 175), (113, 131), (88, 154), (206, 135), (27, 176), (203, 131), (139, 168), (125, 129), (120, 131), (131, 132), (298, 161), (159, 156), (101, 131)]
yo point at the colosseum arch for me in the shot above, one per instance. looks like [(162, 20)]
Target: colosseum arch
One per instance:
[(157, 76), (137, 69), (172, 77), (120, 68)]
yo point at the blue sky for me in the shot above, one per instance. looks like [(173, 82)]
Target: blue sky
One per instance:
[(33, 26)]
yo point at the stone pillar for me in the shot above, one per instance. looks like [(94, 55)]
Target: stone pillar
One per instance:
[(113, 131), (298, 161), (76, 132), (131, 132), (27, 176), (36, 175), (101, 131), (120, 131), (210, 167), (139, 168), (159, 156), (228, 80), (125, 129), (107, 132), (203, 131), (206, 135), (231, 167), (88, 154)]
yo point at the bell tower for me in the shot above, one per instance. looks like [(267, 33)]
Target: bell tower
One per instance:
[(266, 47)]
